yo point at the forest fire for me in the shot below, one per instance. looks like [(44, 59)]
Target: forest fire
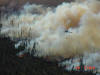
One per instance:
[(69, 30)]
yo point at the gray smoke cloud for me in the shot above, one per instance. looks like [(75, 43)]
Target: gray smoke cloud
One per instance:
[(47, 26)]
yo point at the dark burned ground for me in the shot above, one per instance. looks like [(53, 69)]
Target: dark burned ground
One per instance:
[(10, 64), (13, 65)]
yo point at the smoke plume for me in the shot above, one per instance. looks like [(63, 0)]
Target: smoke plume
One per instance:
[(46, 27)]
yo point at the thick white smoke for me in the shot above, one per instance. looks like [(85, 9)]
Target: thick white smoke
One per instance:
[(47, 26)]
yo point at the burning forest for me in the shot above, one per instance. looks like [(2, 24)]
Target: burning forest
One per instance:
[(67, 34)]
